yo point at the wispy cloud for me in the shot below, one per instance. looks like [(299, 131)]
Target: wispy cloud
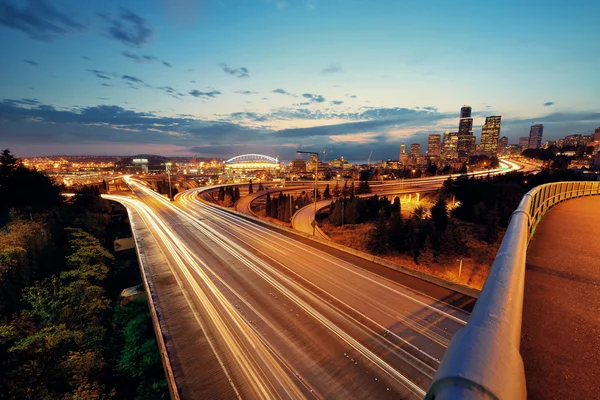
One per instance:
[(132, 79), (332, 69), (144, 59), (548, 103), (211, 94), (241, 72), (245, 92), (102, 74), (38, 19), (34, 63), (130, 29), (281, 91), (337, 102), (315, 98)]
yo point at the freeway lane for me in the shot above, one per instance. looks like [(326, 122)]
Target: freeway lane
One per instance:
[(287, 320)]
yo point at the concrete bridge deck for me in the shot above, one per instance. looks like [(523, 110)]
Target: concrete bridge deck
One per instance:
[(560, 341)]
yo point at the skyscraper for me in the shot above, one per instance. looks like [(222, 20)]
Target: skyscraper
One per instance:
[(524, 142), (466, 142), (490, 132), (502, 144), (415, 149), (450, 145), (535, 136), (434, 145)]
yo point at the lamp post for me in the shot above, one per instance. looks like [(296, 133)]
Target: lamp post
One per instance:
[(167, 165), (316, 180)]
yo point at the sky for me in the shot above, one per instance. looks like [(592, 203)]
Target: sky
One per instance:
[(226, 77)]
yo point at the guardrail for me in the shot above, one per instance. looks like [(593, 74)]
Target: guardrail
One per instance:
[(483, 360)]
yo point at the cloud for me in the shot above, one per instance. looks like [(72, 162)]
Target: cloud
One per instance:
[(31, 62), (245, 92), (332, 69), (38, 19), (281, 91), (102, 74), (337, 102), (352, 96), (241, 72), (548, 103), (85, 58), (132, 79), (211, 94), (315, 98), (130, 29), (25, 102), (144, 59)]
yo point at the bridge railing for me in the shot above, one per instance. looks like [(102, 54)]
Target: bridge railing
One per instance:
[(483, 360)]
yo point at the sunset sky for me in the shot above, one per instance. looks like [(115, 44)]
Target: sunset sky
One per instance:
[(225, 77)]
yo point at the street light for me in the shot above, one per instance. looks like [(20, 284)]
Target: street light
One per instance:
[(169, 174), (314, 224)]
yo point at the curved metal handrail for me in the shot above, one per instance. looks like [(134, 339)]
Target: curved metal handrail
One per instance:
[(483, 360)]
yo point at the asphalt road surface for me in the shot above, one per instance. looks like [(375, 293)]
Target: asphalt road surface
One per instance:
[(250, 313)]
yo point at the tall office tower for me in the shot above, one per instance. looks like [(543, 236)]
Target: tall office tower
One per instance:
[(502, 144), (434, 145), (402, 149), (490, 132), (597, 135), (450, 145), (415, 149), (535, 136), (465, 112), (524, 142), (466, 142)]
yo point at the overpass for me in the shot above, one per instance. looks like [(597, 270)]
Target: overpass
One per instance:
[(536, 317), (246, 311)]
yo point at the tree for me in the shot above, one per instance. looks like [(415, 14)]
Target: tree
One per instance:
[(250, 188), (336, 189), (221, 193), (377, 240), (236, 193), (8, 163), (491, 229), (268, 205), (439, 215), (419, 212), (345, 192), (260, 187), (396, 206), (326, 194), (364, 187), (335, 216)]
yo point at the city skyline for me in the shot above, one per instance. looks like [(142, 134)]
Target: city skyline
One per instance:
[(273, 77)]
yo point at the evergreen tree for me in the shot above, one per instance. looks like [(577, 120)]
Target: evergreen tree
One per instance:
[(396, 206), (260, 187), (377, 240), (326, 194), (439, 215), (287, 205), (336, 189), (352, 190), (8, 162), (236, 193), (396, 233), (274, 208), (221, 193), (364, 187), (250, 187), (336, 215), (268, 205), (491, 229), (345, 192)]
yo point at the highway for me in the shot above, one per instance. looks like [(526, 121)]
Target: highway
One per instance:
[(261, 315)]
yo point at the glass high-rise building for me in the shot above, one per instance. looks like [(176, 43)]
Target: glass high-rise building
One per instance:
[(415, 149), (535, 136), (434, 145), (502, 144), (466, 140), (490, 132)]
